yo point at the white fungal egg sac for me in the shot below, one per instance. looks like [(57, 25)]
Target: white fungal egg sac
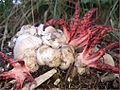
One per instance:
[(44, 47), (27, 29), (53, 38), (26, 45), (48, 56), (67, 56), (30, 60), (24, 42)]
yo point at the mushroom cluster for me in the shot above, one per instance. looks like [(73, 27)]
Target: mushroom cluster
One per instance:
[(85, 34), (46, 45), (39, 46)]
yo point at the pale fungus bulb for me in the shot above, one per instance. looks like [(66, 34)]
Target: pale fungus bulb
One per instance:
[(81, 69), (107, 59), (52, 57), (24, 42), (25, 47), (46, 31), (53, 38), (27, 29), (60, 37), (48, 56), (30, 59), (39, 46), (67, 56), (24, 29)]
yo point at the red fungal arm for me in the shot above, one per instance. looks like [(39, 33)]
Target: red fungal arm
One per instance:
[(6, 58), (96, 56), (85, 23), (68, 31), (86, 20), (81, 41), (19, 72), (81, 35), (93, 60), (101, 65), (95, 34), (74, 23)]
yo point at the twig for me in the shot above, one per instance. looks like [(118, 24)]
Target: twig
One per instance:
[(4, 35), (39, 80), (1, 27), (24, 14), (69, 71), (55, 9), (45, 15), (111, 12), (32, 9)]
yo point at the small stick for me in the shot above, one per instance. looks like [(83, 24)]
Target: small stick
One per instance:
[(4, 36), (39, 80)]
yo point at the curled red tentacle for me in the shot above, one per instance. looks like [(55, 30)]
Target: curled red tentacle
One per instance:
[(69, 31), (96, 56), (86, 20), (81, 35), (95, 35), (85, 34), (74, 22), (92, 59), (19, 72), (85, 23), (101, 65)]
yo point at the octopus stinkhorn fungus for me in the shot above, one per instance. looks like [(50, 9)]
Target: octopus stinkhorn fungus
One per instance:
[(89, 58), (45, 45), (78, 33), (24, 49), (39, 46), (48, 56), (19, 72)]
